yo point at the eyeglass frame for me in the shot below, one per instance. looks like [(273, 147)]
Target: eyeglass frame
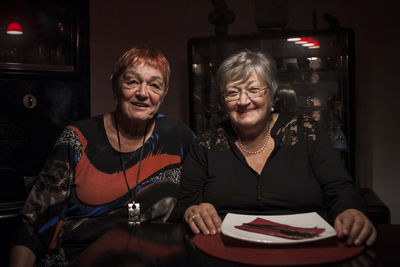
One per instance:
[(246, 90)]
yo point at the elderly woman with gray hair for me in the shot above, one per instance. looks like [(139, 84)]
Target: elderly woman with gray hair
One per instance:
[(259, 162)]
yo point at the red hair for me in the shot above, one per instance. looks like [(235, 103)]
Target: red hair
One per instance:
[(140, 55)]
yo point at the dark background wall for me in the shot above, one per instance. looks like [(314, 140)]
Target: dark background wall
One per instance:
[(117, 25)]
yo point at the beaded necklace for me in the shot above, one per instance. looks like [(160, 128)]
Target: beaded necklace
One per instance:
[(261, 149)]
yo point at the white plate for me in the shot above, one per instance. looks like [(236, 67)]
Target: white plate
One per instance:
[(311, 219)]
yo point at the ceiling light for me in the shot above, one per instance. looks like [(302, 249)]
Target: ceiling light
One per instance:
[(302, 40), (315, 45)]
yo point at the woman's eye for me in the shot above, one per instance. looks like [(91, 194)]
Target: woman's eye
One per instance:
[(132, 82), (254, 89), (154, 85), (231, 93)]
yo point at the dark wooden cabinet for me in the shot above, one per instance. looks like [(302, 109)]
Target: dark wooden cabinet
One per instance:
[(44, 78), (44, 85)]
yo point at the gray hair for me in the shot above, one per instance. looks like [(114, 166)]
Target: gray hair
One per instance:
[(239, 67)]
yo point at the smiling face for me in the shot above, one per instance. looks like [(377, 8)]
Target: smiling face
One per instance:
[(141, 92), (246, 113)]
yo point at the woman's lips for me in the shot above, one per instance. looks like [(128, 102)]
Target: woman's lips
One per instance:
[(242, 111), (141, 105)]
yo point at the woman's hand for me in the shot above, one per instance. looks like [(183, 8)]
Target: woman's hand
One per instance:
[(355, 227), (203, 218), (21, 256)]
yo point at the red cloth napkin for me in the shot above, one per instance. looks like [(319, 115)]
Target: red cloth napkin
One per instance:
[(280, 230)]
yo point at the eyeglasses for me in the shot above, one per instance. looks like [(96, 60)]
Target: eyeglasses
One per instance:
[(233, 94)]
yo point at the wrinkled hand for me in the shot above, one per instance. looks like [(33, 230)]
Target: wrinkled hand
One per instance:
[(203, 218), (355, 227)]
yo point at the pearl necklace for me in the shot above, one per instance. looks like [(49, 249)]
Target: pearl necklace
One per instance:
[(261, 149)]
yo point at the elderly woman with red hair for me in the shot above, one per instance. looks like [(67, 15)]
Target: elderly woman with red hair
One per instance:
[(99, 165)]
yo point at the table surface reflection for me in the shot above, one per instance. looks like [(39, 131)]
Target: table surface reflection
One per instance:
[(170, 244)]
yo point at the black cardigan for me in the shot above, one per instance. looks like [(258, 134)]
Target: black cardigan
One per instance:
[(303, 173)]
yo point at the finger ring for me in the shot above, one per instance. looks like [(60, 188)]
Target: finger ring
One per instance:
[(194, 216)]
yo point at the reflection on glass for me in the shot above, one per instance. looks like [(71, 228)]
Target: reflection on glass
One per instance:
[(339, 140)]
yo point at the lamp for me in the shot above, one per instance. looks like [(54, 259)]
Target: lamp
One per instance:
[(293, 39), (302, 40), (315, 45), (14, 28)]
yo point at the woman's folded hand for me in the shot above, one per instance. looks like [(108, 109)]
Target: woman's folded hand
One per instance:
[(203, 218)]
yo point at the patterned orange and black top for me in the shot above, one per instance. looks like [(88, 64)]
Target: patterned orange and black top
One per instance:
[(81, 191)]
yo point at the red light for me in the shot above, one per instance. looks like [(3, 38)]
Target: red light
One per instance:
[(302, 40), (309, 42), (14, 28), (315, 44)]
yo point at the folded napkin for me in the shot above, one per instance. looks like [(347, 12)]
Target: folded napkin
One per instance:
[(268, 227)]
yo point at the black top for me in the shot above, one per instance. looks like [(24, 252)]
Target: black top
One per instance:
[(303, 173)]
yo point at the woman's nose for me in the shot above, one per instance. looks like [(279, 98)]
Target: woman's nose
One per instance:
[(142, 92), (243, 98)]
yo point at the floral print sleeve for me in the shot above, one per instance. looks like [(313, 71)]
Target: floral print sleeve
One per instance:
[(43, 208)]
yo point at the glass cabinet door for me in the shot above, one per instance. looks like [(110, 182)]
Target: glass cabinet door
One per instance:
[(315, 76)]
